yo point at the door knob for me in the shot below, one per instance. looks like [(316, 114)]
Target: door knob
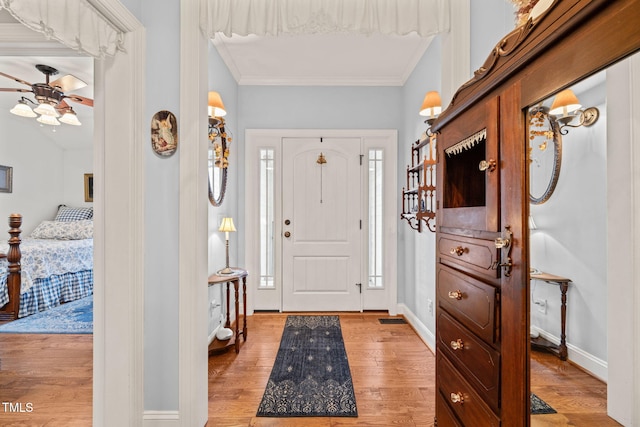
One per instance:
[(287, 234), (487, 165)]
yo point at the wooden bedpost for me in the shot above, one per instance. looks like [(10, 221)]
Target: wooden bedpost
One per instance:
[(11, 309)]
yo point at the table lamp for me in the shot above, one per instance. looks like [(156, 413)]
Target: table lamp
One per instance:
[(227, 226)]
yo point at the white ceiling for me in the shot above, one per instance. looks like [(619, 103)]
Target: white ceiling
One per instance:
[(20, 50), (322, 59)]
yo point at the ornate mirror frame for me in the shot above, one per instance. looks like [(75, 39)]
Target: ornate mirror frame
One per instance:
[(542, 124), (218, 157)]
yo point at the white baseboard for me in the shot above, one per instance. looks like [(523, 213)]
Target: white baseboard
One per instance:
[(590, 363), (423, 332), (161, 419), (212, 335)]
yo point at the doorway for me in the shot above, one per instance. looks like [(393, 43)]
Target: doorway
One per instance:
[(325, 215)]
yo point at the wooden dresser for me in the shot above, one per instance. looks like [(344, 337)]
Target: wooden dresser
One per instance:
[(482, 204)]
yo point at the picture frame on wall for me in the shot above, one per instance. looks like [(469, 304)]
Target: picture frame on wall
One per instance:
[(88, 187), (6, 179)]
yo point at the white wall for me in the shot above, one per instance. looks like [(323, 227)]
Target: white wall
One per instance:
[(416, 251), (221, 81), (162, 189), (570, 239), (38, 173)]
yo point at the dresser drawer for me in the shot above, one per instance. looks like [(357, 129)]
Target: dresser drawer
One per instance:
[(461, 397), (444, 415), (479, 362), (472, 302), (473, 255)]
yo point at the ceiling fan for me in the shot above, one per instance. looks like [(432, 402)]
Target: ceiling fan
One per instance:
[(50, 98)]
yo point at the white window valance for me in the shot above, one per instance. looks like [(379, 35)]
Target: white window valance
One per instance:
[(74, 23), (277, 17)]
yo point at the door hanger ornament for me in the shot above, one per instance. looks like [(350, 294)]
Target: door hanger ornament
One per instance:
[(321, 161)]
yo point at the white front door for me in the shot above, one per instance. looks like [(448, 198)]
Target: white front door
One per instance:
[(321, 230)]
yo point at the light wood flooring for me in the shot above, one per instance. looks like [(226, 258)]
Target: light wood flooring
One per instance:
[(393, 374)]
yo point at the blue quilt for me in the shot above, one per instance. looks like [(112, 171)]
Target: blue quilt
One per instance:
[(53, 272)]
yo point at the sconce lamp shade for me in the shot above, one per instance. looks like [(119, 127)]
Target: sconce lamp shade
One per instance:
[(564, 103), (432, 104), (216, 107), (23, 110), (227, 225)]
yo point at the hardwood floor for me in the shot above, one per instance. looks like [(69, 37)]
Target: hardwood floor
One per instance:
[(393, 375), (49, 376), (392, 371)]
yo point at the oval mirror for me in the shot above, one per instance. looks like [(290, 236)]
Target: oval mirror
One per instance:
[(545, 154), (218, 157)]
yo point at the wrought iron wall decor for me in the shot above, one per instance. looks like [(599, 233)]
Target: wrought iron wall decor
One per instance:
[(545, 154), (419, 196)]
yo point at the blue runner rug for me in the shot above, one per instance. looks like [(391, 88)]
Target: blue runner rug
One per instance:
[(311, 376), (74, 317)]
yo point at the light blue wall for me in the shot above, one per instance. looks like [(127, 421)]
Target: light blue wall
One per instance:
[(222, 81), (416, 250), (314, 107), (491, 20), (162, 179)]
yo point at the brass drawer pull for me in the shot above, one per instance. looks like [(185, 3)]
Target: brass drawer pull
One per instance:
[(458, 250), (487, 165), (457, 398), (457, 344), (455, 295)]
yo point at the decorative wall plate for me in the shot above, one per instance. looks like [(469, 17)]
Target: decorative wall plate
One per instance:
[(164, 133)]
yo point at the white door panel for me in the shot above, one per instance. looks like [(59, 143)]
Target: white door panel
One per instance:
[(321, 261)]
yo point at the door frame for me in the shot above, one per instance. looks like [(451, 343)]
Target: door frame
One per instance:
[(255, 139)]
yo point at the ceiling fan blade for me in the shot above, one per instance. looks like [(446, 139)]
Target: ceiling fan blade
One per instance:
[(14, 89), (68, 83), (80, 99), (62, 105), (15, 79)]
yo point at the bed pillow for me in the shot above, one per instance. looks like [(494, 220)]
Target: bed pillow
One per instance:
[(66, 214), (61, 230)]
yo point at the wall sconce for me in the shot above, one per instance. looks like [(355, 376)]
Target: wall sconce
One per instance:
[(566, 108), (215, 107), (431, 108)]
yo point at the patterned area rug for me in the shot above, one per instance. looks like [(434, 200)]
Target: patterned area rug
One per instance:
[(539, 406), (311, 376), (74, 317)]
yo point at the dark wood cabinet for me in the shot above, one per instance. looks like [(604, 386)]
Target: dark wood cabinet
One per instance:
[(482, 271)]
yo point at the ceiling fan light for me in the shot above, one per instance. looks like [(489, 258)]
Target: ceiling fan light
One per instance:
[(23, 110), (48, 120), (70, 118), (46, 109)]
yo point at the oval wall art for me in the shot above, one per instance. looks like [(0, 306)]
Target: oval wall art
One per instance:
[(164, 133)]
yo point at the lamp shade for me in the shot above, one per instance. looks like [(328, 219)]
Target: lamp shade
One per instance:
[(70, 118), (564, 103), (432, 104), (46, 109), (216, 107), (23, 110), (48, 120), (227, 225)]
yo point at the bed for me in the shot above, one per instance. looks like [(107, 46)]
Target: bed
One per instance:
[(51, 267)]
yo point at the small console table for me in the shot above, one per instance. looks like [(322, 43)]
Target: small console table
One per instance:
[(541, 343), (234, 278)]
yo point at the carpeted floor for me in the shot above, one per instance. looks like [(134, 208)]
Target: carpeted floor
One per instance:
[(539, 406), (311, 376), (74, 317)]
